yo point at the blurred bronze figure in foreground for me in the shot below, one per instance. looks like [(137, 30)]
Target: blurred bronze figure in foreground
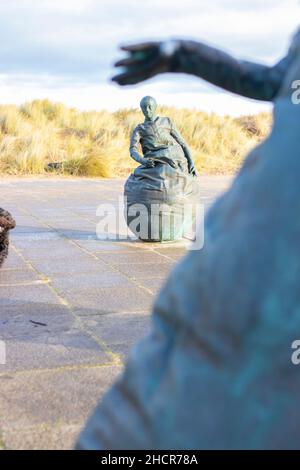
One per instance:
[(215, 372)]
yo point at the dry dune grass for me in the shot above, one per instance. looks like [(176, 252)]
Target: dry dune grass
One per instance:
[(96, 143)]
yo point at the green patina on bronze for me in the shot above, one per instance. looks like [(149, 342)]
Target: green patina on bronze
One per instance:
[(160, 189), (160, 140)]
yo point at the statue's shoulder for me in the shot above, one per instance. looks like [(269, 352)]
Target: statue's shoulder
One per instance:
[(165, 122), (138, 127)]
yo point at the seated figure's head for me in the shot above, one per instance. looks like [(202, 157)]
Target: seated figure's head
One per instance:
[(148, 106)]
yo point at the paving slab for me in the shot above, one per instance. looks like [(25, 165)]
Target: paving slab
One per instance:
[(14, 295), (119, 331), (40, 437), (39, 404), (19, 277), (147, 256), (110, 299), (149, 270), (41, 336)]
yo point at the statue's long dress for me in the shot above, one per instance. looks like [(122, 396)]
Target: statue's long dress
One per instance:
[(216, 370)]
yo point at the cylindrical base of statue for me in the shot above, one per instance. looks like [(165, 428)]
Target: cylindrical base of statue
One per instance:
[(161, 203)]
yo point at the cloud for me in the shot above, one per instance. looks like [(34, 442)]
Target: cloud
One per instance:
[(71, 44), (109, 96)]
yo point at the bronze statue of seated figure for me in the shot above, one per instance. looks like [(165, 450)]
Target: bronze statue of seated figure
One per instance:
[(163, 188), (160, 141)]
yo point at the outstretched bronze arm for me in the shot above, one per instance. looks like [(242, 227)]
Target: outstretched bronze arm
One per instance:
[(241, 77), (244, 78)]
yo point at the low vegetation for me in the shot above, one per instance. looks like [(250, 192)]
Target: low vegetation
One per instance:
[(40, 133)]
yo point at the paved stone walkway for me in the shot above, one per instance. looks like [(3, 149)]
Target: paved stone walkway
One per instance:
[(71, 305)]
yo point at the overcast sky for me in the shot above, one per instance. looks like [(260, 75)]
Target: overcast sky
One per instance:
[(64, 49)]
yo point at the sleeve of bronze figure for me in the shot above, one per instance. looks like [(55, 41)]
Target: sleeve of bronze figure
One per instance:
[(178, 137), (219, 68), (134, 146)]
